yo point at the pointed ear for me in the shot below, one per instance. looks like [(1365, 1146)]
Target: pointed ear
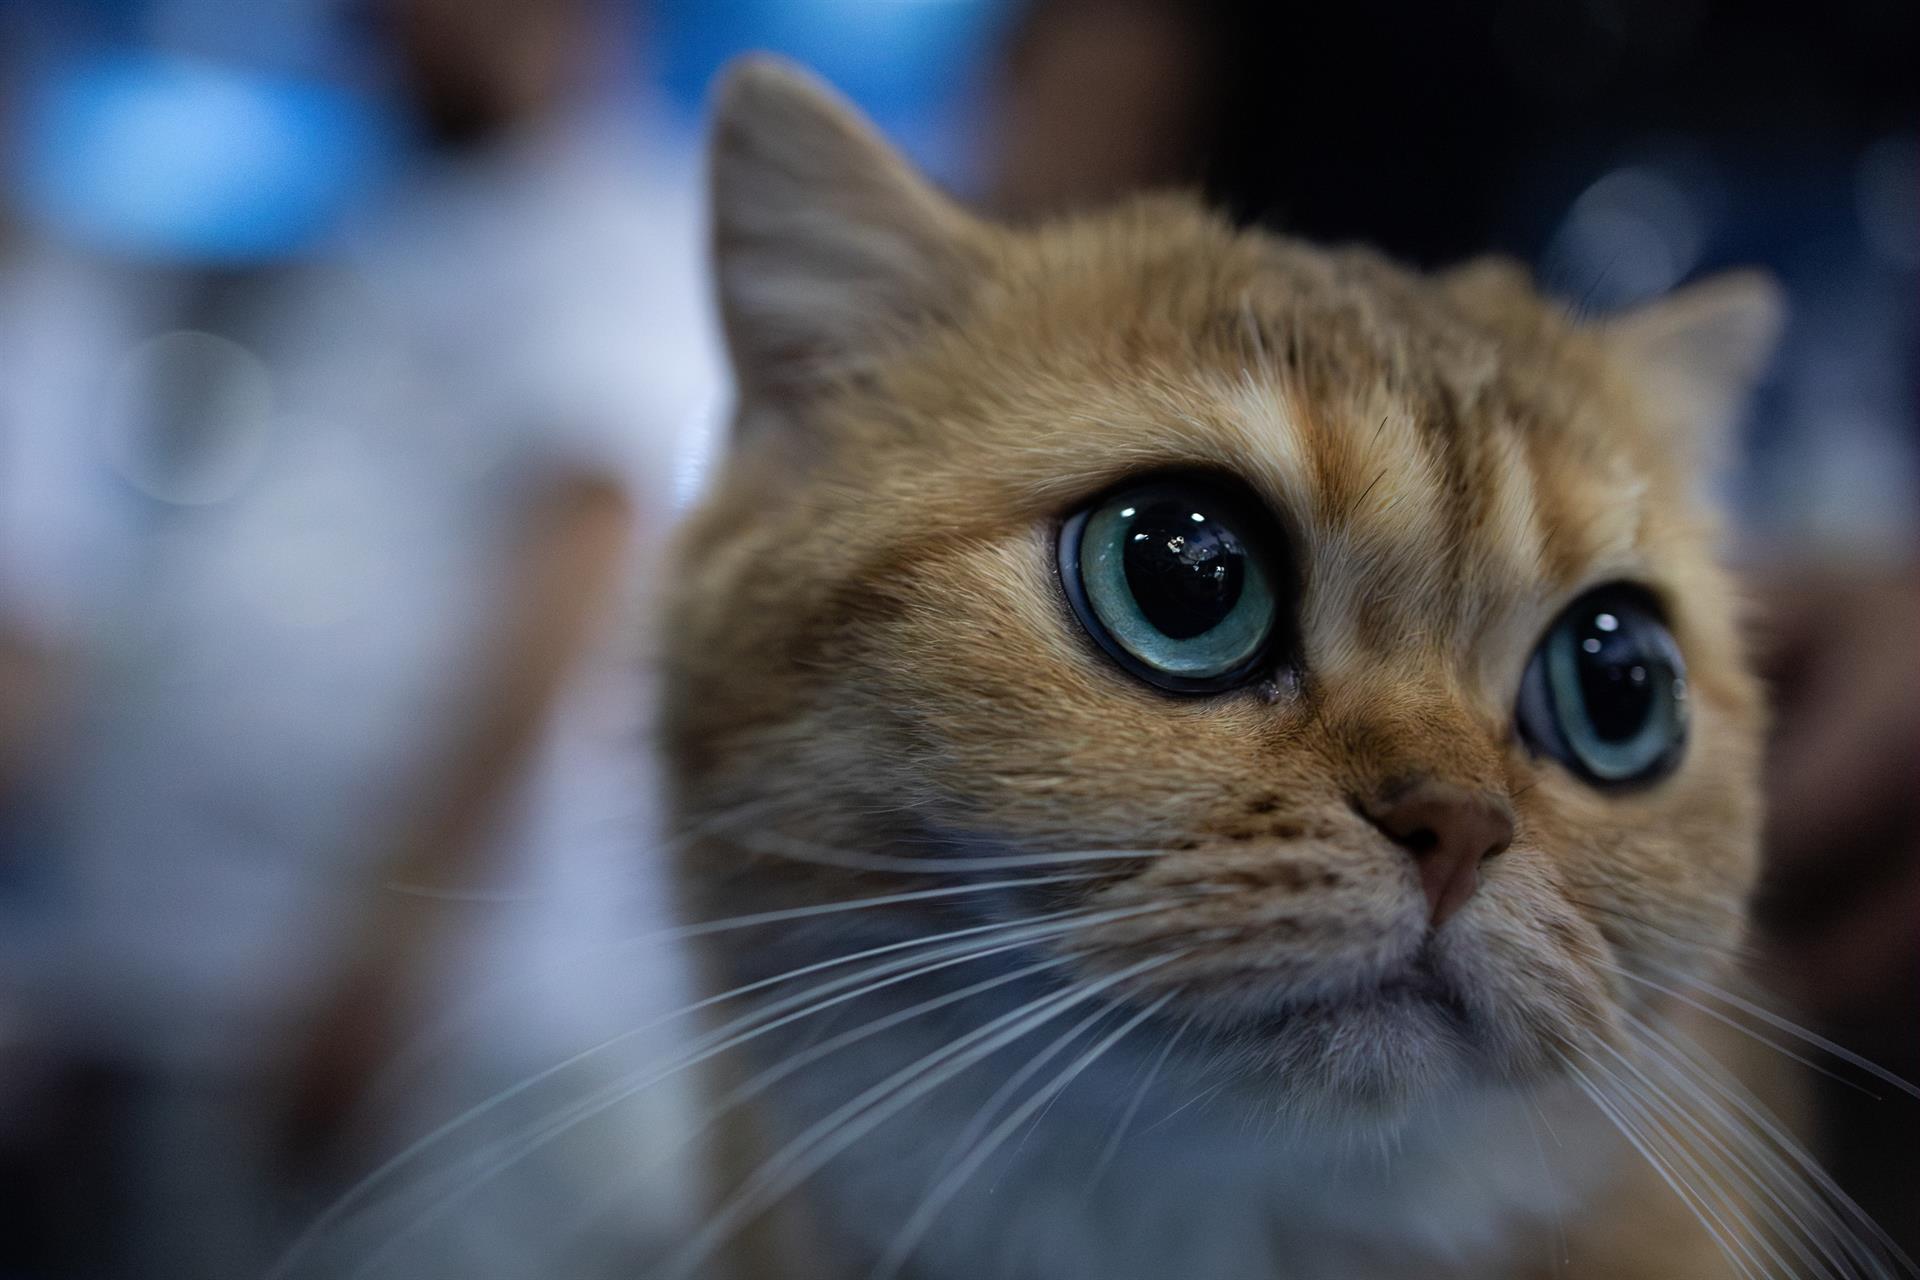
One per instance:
[(1489, 284), (1699, 352), (1498, 292), (828, 246)]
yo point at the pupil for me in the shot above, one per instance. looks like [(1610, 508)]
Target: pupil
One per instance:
[(1185, 574), (1616, 679)]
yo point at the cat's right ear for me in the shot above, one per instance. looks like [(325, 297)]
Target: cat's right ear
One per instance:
[(1699, 351), (829, 248)]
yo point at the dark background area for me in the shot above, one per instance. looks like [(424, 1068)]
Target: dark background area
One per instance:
[(273, 798)]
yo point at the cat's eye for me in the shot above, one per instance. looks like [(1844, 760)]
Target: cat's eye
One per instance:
[(1178, 579), (1606, 692)]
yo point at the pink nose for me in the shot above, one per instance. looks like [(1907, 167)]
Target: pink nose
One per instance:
[(1449, 831)]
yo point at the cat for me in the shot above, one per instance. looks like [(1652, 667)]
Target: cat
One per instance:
[(1197, 755)]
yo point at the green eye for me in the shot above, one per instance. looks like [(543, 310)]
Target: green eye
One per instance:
[(1176, 580), (1606, 691)]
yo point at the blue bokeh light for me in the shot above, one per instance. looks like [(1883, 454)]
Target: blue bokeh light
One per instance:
[(158, 157)]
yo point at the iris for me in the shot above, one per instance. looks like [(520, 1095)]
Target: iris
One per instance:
[(1177, 579)]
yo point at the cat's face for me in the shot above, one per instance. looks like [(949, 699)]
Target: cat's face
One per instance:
[(1432, 721)]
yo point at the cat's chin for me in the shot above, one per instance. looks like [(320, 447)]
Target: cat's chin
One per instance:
[(1380, 1055)]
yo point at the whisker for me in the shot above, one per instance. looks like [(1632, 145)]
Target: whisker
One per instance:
[(633, 821), (362, 1189), (1747, 1031), (776, 844), (929, 1209), (1536, 1120), (1745, 951), (1197, 1099), (1627, 1130), (1807, 1218), (679, 933), (772, 1075), (533, 1137), (781, 1070), (1685, 1057), (1112, 1149), (847, 1124), (1731, 1168), (1660, 1124), (983, 1116), (1780, 1023), (785, 914)]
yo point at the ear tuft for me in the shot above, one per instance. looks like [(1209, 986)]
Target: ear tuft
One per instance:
[(1700, 351), (829, 247)]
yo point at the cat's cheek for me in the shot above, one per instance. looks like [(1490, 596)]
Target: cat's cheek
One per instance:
[(1530, 971)]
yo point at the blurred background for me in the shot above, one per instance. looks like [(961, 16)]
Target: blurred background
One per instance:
[(355, 356)]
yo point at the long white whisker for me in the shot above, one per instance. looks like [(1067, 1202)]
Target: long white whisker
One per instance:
[(772, 1075), (1744, 1030), (439, 1032), (534, 1137), (1657, 1125), (1808, 1220), (1729, 1171), (1112, 1149), (1688, 1055), (923, 1217), (983, 1116), (661, 845), (1634, 1138), (784, 915), (1536, 1119), (852, 1121), (785, 846), (779, 1071), (405, 1157), (1200, 1097), (1787, 1025)]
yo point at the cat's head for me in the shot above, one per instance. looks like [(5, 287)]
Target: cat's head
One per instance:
[(1339, 650)]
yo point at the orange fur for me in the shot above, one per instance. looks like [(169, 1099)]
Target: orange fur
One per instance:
[(869, 655)]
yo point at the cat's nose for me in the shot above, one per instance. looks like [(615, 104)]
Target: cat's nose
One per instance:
[(1449, 830)]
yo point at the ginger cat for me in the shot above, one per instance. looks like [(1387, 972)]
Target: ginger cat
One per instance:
[(1238, 743)]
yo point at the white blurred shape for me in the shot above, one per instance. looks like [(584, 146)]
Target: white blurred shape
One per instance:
[(186, 416)]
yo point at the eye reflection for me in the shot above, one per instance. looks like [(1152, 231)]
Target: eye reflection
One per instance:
[(1176, 580), (1605, 693)]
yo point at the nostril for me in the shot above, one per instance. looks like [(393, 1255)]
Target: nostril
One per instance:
[(1447, 831), (1421, 840)]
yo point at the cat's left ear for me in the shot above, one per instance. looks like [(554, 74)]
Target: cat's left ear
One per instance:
[(830, 248), (1698, 352)]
